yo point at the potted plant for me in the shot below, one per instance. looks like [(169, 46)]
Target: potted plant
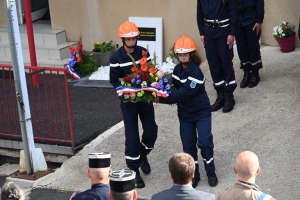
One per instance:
[(102, 51), (285, 36)]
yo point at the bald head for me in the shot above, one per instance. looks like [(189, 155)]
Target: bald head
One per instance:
[(99, 175), (246, 165)]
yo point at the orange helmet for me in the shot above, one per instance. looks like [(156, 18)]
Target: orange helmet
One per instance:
[(184, 45), (128, 29)]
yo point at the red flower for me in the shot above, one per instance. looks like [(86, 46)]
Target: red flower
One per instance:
[(152, 70), (144, 68), (133, 69), (143, 61), (144, 53), (135, 74), (79, 59), (127, 79), (145, 77)]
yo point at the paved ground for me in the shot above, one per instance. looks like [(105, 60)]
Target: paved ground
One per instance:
[(265, 120)]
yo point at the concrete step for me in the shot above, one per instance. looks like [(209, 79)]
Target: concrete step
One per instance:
[(40, 62), (43, 35), (60, 51)]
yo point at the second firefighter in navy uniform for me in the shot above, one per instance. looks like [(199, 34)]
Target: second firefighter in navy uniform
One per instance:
[(194, 110), (217, 24), (136, 149), (251, 16)]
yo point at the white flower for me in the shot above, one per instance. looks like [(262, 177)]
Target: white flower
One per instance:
[(144, 83), (169, 60), (283, 22), (283, 34), (275, 28)]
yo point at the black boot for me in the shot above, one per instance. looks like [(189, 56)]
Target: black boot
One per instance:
[(145, 166), (195, 182), (212, 180), (246, 79), (229, 102), (139, 183), (254, 79), (219, 102)]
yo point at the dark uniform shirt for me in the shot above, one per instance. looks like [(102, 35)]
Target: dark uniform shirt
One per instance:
[(97, 192), (255, 16), (189, 83), (219, 10), (121, 64)]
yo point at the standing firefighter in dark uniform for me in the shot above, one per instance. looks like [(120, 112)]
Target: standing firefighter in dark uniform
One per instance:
[(217, 24), (251, 16), (136, 151), (194, 110)]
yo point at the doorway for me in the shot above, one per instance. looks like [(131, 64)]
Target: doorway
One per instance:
[(39, 10)]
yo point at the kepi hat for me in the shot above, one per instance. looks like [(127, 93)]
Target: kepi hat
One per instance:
[(122, 180), (99, 160)]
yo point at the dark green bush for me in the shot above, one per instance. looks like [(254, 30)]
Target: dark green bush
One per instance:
[(87, 65)]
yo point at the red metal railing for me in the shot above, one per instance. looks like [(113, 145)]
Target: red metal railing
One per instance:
[(49, 104)]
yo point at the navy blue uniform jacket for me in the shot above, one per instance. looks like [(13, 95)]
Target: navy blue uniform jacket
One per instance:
[(220, 10), (121, 64), (97, 192), (255, 16), (189, 83)]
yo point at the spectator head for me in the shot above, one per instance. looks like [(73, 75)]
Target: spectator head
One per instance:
[(122, 185), (246, 166), (11, 191), (99, 167), (182, 167)]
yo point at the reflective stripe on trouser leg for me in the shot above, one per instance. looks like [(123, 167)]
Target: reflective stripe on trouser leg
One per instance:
[(215, 64), (226, 56), (189, 142), (132, 138), (206, 145), (248, 47), (146, 113)]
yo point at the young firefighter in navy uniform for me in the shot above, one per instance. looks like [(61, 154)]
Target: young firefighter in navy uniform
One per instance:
[(217, 24), (120, 66), (251, 16), (194, 110)]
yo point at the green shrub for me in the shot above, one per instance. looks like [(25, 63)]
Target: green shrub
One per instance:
[(87, 65)]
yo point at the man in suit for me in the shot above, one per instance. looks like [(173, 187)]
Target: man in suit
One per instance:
[(182, 167)]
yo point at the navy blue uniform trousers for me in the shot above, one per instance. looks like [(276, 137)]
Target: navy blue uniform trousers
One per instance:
[(204, 140), (219, 58), (248, 47), (133, 146)]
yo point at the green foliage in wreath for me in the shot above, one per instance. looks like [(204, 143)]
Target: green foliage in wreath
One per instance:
[(87, 65)]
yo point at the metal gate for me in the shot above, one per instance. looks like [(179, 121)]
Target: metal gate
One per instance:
[(49, 105)]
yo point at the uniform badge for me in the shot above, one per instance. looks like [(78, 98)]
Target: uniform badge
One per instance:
[(193, 84)]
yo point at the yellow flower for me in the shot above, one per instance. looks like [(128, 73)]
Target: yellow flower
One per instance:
[(156, 78), (122, 83), (154, 94)]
